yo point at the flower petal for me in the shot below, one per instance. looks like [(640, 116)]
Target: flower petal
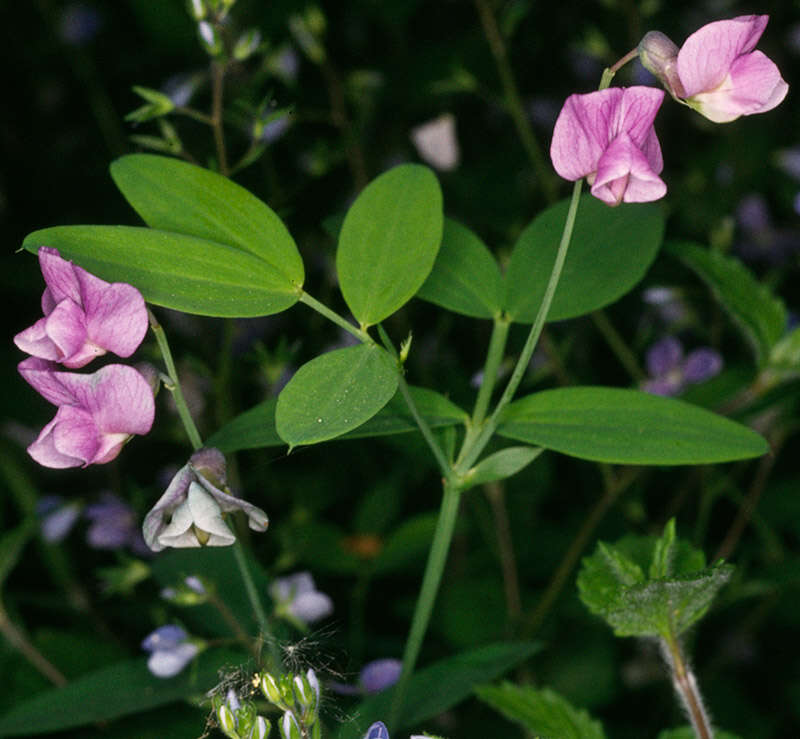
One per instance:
[(42, 376), (623, 173), (701, 365), (175, 494), (59, 274), (168, 636), (169, 662), (310, 607), (705, 58), (116, 315), (66, 326), (207, 517), (36, 342), (178, 533), (664, 356), (636, 112)]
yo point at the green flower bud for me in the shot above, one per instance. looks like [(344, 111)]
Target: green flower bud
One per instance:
[(261, 728), (247, 44), (197, 9), (227, 721), (289, 727), (271, 690), (209, 38)]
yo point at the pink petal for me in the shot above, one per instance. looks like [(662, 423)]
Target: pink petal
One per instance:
[(116, 315), (705, 58), (35, 341), (60, 277), (66, 326), (624, 173), (42, 376), (636, 112), (44, 450), (581, 133)]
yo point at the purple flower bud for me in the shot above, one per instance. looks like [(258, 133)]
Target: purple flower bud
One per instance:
[(659, 55), (378, 730)]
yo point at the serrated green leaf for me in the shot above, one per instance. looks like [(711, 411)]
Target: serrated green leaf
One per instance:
[(389, 241), (173, 195), (542, 712), (610, 251), (611, 584), (173, 270), (117, 690), (756, 310), (255, 428), (438, 687), (627, 427), (465, 278), (502, 464), (335, 393)]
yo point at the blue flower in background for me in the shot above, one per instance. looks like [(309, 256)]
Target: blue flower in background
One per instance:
[(670, 372), (170, 650)]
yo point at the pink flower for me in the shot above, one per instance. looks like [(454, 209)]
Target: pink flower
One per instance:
[(97, 413), (608, 137), (84, 316), (716, 71)]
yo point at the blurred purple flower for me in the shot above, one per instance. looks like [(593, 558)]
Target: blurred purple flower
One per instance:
[(97, 413), (189, 514), (170, 650), (296, 596), (84, 316), (759, 239), (114, 525), (374, 677), (670, 372), (56, 517)]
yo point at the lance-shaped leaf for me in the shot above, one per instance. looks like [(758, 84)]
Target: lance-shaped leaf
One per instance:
[(627, 427), (335, 393), (172, 195), (389, 241), (541, 712), (610, 251), (177, 271), (465, 277), (756, 310), (502, 464)]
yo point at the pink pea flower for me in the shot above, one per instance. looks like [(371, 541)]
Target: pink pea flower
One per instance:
[(608, 137), (716, 71), (84, 316), (97, 413)]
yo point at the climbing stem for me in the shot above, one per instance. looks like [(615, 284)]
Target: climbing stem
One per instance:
[(497, 345)]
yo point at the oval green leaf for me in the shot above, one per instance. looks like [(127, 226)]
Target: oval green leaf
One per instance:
[(255, 428), (172, 195), (389, 241), (334, 394), (465, 277), (627, 427), (174, 270), (610, 251), (502, 464)]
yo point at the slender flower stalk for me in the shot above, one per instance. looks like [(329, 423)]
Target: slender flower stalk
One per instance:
[(686, 687)]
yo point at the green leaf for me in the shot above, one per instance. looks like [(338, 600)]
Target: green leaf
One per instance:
[(465, 278), (407, 544), (389, 241), (335, 393), (612, 585), (541, 712), (182, 272), (784, 360), (760, 315), (173, 195), (610, 251), (255, 428), (11, 545), (502, 464), (627, 427), (117, 690), (438, 687)]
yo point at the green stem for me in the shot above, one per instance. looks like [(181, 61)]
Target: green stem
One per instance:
[(217, 86), (177, 393), (514, 101), (686, 687), (497, 345), (617, 345), (444, 465), (474, 446), (434, 569), (323, 310), (250, 588)]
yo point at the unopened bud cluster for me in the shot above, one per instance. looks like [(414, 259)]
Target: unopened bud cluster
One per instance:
[(298, 697), (239, 720)]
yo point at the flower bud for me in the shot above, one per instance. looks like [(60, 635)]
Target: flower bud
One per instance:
[(289, 727), (198, 9), (261, 728), (209, 38), (271, 690), (660, 57), (306, 692), (247, 44), (227, 721), (287, 694)]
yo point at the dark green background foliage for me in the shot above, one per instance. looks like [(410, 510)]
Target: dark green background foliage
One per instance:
[(359, 513)]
